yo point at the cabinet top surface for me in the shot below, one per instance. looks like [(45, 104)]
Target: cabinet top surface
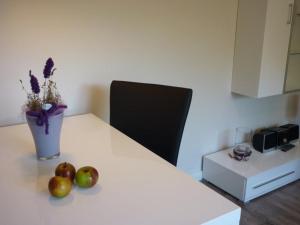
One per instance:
[(258, 162), (135, 186)]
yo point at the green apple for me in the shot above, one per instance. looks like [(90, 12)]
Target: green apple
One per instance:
[(59, 186), (86, 177), (65, 170)]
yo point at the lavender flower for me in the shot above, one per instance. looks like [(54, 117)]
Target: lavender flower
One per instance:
[(50, 95), (35, 87), (48, 68)]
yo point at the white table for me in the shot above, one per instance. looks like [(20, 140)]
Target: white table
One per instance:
[(136, 187)]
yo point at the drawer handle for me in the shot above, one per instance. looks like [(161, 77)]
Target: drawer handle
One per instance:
[(274, 179)]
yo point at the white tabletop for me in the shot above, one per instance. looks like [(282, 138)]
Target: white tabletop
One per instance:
[(136, 187)]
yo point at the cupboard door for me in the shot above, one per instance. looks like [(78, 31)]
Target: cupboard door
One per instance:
[(293, 67), (249, 39), (275, 47)]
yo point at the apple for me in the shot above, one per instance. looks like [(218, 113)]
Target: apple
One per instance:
[(86, 177), (65, 170), (59, 186)]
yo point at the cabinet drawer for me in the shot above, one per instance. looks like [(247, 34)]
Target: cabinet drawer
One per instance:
[(224, 178), (270, 180)]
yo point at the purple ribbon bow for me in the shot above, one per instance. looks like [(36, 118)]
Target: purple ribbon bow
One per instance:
[(43, 115)]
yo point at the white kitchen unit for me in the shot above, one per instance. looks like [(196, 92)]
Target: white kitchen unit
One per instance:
[(247, 180), (292, 81), (261, 47)]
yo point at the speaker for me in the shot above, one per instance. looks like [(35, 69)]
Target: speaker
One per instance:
[(282, 135), (293, 131), (264, 140)]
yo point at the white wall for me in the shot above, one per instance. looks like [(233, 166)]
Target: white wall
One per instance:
[(176, 42)]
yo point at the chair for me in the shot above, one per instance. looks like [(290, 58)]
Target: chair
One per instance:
[(153, 115)]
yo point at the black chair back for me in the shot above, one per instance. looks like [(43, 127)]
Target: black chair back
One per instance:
[(153, 115)]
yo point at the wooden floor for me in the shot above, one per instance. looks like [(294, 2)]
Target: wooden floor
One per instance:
[(280, 207)]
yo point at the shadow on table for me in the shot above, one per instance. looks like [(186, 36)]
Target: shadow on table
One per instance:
[(61, 201), (88, 191)]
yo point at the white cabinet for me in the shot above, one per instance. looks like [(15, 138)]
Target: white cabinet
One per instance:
[(247, 180), (261, 47), (292, 82)]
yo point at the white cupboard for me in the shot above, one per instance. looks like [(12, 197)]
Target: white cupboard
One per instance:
[(261, 47), (292, 82)]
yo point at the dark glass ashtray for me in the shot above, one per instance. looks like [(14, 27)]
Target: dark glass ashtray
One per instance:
[(241, 152)]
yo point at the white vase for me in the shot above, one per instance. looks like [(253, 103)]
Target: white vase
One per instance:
[(47, 145)]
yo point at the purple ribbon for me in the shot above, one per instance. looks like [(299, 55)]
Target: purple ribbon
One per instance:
[(43, 115)]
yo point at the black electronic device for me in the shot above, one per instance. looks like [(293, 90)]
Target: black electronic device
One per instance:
[(282, 135), (286, 147), (264, 140), (293, 131)]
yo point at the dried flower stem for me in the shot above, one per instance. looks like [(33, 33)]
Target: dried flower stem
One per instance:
[(24, 89)]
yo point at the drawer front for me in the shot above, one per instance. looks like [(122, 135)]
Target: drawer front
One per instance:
[(224, 178), (271, 179)]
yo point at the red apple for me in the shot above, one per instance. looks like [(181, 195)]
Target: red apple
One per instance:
[(86, 177), (59, 186), (65, 170)]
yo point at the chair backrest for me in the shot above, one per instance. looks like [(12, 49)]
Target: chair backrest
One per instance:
[(153, 115)]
